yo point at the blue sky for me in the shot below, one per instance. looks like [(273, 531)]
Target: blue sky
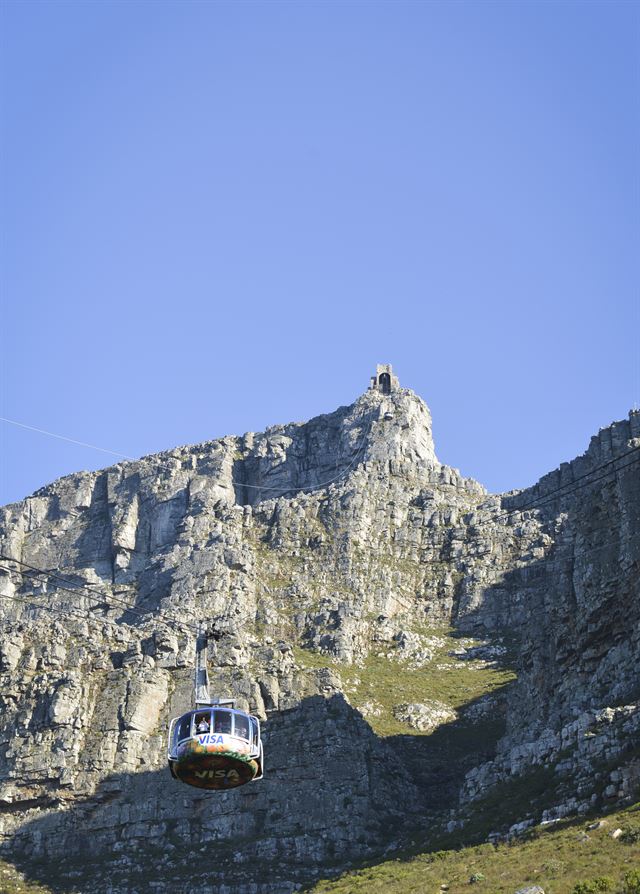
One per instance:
[(219, 216)]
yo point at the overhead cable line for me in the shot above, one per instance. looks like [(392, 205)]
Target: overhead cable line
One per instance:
[(571, 484), (550, 560), (587, 484), (544, 499), (281, 491), (259, 487), (73, 586), (167, 623), (108, 600), (66, 613), (547, 498), (105, 598), (64, 438)]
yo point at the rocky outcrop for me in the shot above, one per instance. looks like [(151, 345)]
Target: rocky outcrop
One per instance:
[(330, 554), (576, 703)]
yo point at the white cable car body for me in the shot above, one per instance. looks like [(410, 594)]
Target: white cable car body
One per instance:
[(214, 746)]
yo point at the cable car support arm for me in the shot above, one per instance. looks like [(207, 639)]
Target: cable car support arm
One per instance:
[(202, 696)]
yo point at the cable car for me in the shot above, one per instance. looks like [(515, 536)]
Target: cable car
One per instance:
[(214, 746)]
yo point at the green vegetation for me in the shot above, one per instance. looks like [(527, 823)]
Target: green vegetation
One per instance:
[(391, 683), (13, 882), (631, 883), (630, 836), (568, 858), (603, 883), (385, 682)]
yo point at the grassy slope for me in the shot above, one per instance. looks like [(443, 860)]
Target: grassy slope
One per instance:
[(13, 882), (556, 858), (384, 682)]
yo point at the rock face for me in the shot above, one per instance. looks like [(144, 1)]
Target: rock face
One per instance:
[(424, 717), (341, 560)]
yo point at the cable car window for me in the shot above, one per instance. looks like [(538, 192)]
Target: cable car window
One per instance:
[(241, 726), (184, 728), (223, 722), (254, 731), (202, 722)]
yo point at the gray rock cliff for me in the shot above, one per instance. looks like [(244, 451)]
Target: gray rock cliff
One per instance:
[(367, 594)]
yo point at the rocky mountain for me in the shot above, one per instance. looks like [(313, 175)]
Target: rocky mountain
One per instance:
[(430, 661)]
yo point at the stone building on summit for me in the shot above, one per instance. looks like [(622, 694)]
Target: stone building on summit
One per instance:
[(384, 379)]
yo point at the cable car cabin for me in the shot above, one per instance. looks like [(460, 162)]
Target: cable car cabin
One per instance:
[(215, 748)]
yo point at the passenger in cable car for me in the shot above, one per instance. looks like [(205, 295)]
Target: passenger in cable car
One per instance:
[(202, 723), (222, 722), (241, 726)]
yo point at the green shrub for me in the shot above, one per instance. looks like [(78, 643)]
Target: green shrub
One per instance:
[(631, 884), (554, 867), (476, 877), (630, 836), (595, 886)]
